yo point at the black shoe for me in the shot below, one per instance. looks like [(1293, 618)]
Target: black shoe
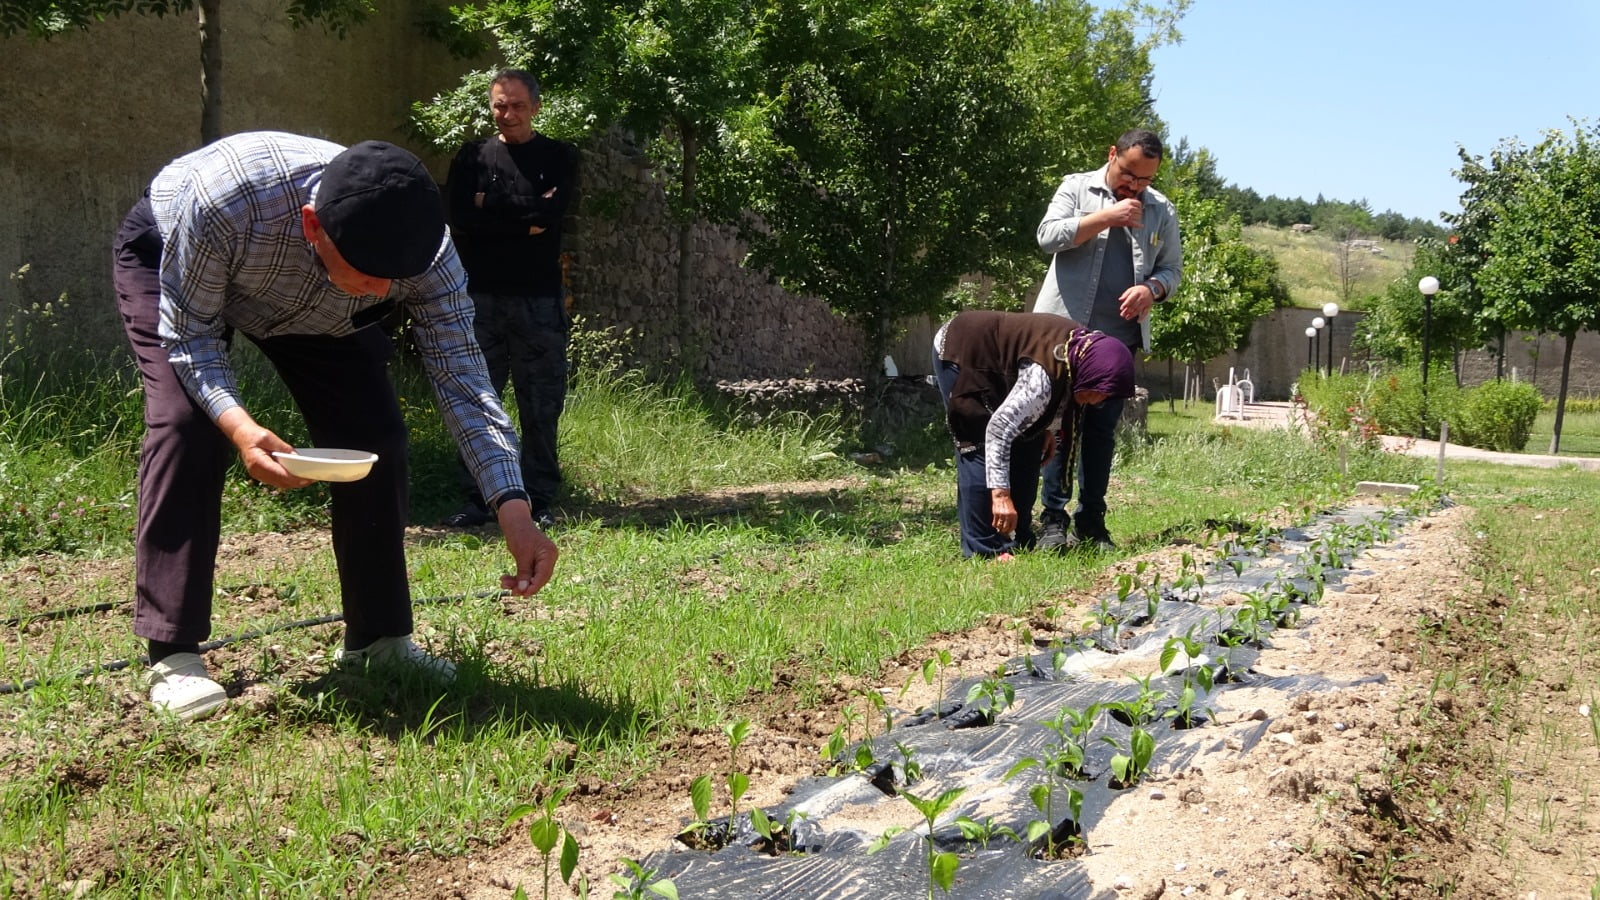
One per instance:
[(544, 520), (470, 516), (1053, 534), (1096, 537)]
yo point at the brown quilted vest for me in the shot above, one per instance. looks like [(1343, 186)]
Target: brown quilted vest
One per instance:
[(988, 346)]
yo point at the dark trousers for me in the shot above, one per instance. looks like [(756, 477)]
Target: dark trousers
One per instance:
[(974, 508), (342, 387), (1096, 451), (524, 341)]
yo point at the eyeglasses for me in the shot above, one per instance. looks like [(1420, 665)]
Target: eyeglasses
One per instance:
[(1125, 176)]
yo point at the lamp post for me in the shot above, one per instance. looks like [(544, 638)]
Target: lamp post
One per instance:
[(1330, 310), (1428, 286), (1317, 323), (1311, 357)]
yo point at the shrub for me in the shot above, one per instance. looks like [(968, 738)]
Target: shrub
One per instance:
[(1385, 402), (1499, 415), (1333, 399), (1395, 402)]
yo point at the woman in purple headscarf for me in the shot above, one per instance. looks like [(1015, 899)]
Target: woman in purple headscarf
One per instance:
[(1007, 379)]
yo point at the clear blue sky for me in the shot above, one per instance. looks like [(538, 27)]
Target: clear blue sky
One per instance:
[(1362, 98)]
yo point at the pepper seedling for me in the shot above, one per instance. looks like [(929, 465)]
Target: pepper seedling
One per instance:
[(637, 880), (545, 832), (941, 866), (1130, 765)]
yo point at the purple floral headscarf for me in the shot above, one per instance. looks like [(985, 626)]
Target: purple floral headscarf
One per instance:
[(1099, 362)]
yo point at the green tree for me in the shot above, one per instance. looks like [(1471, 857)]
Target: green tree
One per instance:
[(913, 144), (1226, 286), (1542, 269), (47, 18), (1392, 327), (882, 181)]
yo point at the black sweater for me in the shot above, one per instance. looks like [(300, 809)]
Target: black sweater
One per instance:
[(527, 184)]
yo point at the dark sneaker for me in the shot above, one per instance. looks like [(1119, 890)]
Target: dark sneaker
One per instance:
[(470, 516), (1096, 537), (543, 519), (1053, 534)]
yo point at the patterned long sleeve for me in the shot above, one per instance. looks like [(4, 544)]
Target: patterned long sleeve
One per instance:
[(1028, 400)]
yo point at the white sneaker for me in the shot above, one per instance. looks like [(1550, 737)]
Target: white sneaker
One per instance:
[(398, 653), (180, 685)]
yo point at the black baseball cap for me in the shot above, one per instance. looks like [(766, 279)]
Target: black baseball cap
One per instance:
[(381, 208)]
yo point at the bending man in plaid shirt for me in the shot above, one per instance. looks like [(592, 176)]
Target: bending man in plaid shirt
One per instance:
[(302, 246)]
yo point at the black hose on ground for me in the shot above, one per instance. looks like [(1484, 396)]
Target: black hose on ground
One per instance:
[(117, 665), (19, 621)]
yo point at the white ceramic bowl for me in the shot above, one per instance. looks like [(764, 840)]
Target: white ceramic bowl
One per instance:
[(323, 464)]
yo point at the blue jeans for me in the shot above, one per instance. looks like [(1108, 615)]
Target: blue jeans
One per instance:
[(974, 510), (1096, 450), (524, 341)]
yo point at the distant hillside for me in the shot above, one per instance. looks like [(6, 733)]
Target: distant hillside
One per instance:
[(1311, 265)]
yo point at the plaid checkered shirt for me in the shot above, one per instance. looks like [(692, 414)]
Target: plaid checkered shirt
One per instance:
[(235, 255)]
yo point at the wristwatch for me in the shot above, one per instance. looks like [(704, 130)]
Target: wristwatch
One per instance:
[(1158, 291)]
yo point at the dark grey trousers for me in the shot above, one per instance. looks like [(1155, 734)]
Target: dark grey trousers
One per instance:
[(524, 341), (342, 388)]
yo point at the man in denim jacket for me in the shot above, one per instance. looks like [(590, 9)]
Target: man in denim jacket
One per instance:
[(1116, 253)]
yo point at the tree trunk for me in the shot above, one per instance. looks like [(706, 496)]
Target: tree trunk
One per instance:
[(689, 337), (1500, 358), (1172, 406), (1561, 396), (210, 13), (880, 325)]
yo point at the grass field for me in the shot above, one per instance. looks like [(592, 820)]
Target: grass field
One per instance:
[(680, 606), (1310, 265), (1580, 433)]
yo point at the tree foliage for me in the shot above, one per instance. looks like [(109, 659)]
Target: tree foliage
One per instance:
[(881, 180), (1226, 286), (912, 144), (1541, 209), (874, 151), (1392, 327), (1349, 218)]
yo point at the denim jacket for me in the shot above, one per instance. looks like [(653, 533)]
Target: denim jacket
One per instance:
[(1074, 276)]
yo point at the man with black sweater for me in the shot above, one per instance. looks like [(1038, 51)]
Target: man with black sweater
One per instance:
[(508, 196)]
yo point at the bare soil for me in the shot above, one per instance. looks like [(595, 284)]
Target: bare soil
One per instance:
[(1375, 790)]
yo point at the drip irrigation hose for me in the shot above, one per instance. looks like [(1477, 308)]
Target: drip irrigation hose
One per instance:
[(19, 621), (117, 665)]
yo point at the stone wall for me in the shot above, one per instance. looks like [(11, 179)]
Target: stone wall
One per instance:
[(624, 255)]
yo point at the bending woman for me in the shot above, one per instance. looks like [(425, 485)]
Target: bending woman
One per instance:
[(1007, 380)]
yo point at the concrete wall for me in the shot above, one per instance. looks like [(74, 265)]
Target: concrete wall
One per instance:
[(1537, 358), (88, 117), (1276, 353)]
